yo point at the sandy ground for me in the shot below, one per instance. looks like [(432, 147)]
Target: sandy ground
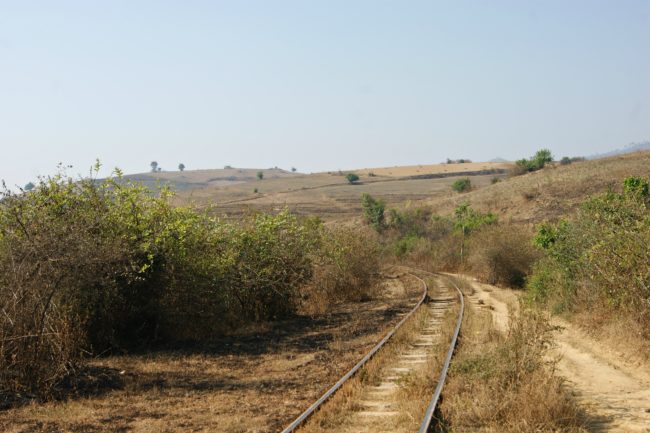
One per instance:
[(615, 393)]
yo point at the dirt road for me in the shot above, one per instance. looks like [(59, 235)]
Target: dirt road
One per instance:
[(616, 394)]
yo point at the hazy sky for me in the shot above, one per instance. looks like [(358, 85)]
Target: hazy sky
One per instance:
[(319, 85)]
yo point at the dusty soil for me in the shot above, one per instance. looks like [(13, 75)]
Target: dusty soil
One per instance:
[(615, 392), (256, 382)]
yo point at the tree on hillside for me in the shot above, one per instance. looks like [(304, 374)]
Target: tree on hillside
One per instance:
[(537, 162), (29, 186), (293, 169), (181, 166), (260, 175), (154, 166), (543, 157), (352, 177)]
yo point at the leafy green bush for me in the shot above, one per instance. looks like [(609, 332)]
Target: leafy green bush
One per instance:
[(462, 185), (537, 162), (352, 177), (373, 211)]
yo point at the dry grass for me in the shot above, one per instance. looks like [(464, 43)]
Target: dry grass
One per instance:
[(256, 381), (327, 195), (505, 383)]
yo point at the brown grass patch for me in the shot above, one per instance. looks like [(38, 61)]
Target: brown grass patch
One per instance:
[(505, 383)]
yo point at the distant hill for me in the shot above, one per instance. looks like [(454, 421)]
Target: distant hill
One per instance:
[(193, 179), (632, 147)]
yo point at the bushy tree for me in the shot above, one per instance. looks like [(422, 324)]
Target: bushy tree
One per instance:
[(154, 166), (537, 162), (260, 175), (462, 185), (352, 177), (181, 166)]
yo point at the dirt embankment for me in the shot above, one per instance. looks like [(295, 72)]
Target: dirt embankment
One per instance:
[(255, 382)]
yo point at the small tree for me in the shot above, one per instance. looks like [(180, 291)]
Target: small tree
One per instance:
[(181, 166), (293, 169), (154, 166), (462, 185), (373, 211), (260, 175), (542, 157), (29, 186), (352, 177)]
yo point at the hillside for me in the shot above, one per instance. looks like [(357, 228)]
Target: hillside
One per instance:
[(330, 196), (550, 193)]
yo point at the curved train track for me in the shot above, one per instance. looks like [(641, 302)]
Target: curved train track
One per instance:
[(438, 305)]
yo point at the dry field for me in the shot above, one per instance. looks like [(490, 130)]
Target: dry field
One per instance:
[(257, 381), (330, 196)]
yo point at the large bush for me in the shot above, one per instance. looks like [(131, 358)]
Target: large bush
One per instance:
[(89, 266), (600, 258), (347, 265), (502, 254)]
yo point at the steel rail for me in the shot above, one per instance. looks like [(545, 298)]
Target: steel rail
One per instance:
[(428, 416), (306, 414)]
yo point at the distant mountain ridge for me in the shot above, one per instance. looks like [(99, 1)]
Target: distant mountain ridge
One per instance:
[(632, 147)]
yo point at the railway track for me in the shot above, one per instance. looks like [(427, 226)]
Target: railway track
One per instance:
[(377, 406)]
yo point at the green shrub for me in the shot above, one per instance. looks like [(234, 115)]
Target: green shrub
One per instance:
[(373, 211), (636, 186), (537, 162), (352, 177), (462, 185)]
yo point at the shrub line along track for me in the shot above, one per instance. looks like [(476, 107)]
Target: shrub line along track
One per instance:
[(426, 423)]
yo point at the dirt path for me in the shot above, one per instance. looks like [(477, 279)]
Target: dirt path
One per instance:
[(615, 394)]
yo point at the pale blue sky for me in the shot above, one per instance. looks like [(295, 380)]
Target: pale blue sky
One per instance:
[(319, 85)]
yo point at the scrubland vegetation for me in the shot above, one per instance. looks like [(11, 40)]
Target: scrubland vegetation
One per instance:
[(90, 267), (595, 260), (598, 260)]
